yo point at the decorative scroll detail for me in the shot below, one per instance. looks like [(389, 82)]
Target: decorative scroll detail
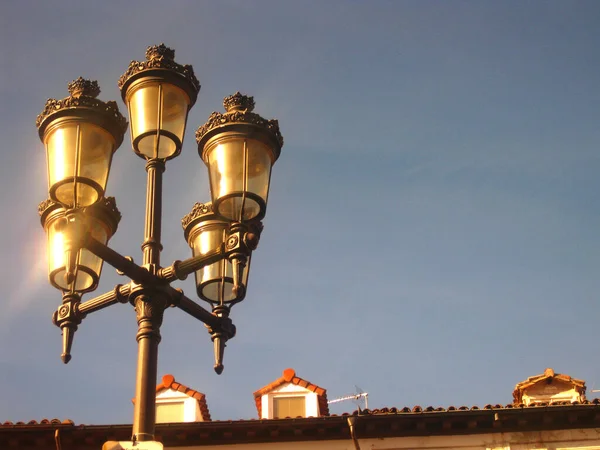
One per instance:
[(160, 57), (239, 110), (199, 210), (83, 95)]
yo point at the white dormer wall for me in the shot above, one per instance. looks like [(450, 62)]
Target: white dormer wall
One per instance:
[(556, 391), (289, 390), (191, 409)]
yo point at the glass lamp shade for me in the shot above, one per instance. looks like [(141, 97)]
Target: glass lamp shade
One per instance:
[(101, 221), (158, 114), (79, 156), (239, 148), (205, 233), (80, 134), (239, 171)]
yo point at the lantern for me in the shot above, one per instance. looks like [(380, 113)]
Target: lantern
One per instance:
[(158, 93), (101, 221), (80, 134), (239, 148), (204, 232)]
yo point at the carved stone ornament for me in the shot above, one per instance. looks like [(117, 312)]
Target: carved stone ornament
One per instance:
[(83, 95), (161, 57), (199, 210), (239, 109)]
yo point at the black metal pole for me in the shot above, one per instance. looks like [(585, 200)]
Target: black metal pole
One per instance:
[(149, 306)]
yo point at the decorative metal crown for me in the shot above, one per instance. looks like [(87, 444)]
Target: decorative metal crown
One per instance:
[(238, 111), (45, 205), (105, 209), (160, 57), (199, 210), (109, 204), (81, 86), (160, 51), (239, 102), (82, 96)]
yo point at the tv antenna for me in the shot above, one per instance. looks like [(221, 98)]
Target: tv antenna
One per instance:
[(357, 398)]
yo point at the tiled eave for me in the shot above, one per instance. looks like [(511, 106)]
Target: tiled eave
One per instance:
[(376, 424)]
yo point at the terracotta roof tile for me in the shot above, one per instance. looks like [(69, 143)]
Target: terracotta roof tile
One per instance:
[(168, 382), (433, 409), (41, 422), (289, 376)]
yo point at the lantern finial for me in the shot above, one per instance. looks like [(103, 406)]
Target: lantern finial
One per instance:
[(82, 87), (160, 51), (238, 102)]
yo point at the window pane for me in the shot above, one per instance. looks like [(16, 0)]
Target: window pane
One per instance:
[(289, 407), (169, 412)]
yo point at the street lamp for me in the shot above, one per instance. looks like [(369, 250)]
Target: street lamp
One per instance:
[(81, 134)]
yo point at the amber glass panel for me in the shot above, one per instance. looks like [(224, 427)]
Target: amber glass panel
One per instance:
[(215, 280), (88, 267), (289, 407), (79, 156), (169, 412), (238, 167), (158, 113)]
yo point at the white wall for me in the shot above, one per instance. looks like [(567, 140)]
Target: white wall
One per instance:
[(191, 410)]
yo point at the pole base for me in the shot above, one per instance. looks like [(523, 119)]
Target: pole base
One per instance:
[(129, 445)]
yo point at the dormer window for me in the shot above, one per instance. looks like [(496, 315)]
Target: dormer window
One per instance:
[(291, 396), (176, 402), (549, 387)]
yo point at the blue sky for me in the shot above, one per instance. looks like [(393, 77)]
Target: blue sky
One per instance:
[(432, 230)]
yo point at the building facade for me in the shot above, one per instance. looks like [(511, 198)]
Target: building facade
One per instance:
[(547, 421)]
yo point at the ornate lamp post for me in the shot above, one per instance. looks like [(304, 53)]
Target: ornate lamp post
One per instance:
[(81, 134)]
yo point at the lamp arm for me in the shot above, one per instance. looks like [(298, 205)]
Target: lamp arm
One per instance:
[(241, 239), (120, 294), (220, 326), (186, 304), (121, 263), (179, 270)]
